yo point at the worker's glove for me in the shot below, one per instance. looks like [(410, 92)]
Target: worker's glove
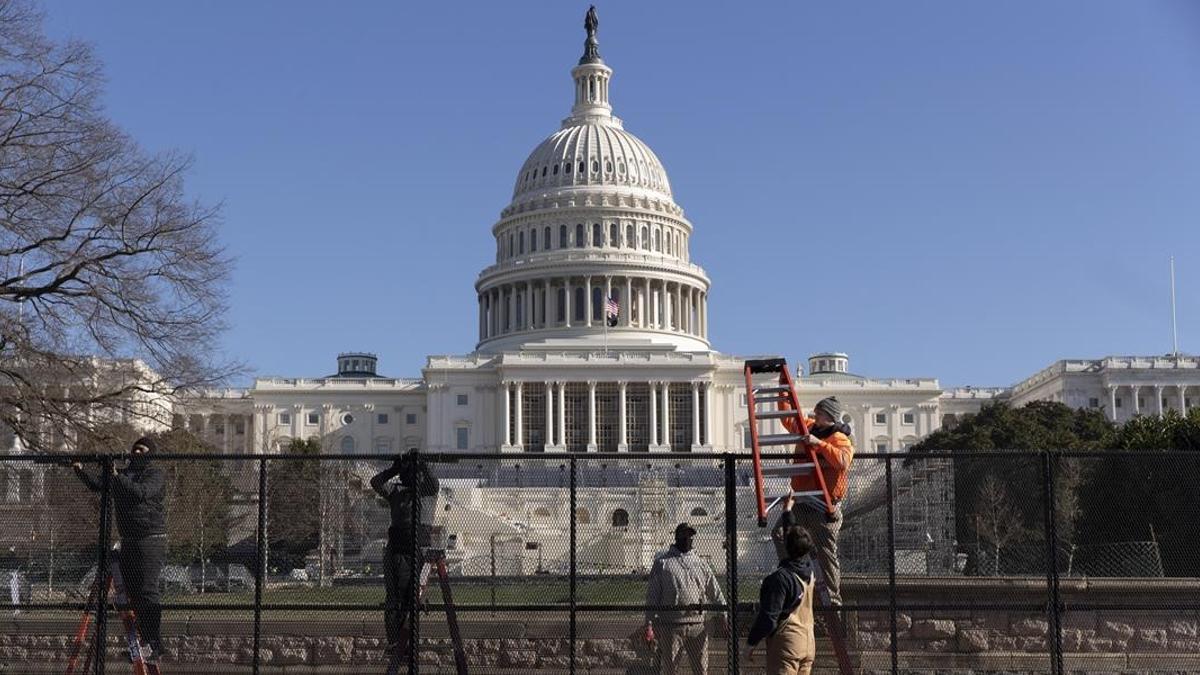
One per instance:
[(809, 439), (648, 636)]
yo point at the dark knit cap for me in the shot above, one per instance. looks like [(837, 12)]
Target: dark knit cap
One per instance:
[(830, 406), (146, 442)]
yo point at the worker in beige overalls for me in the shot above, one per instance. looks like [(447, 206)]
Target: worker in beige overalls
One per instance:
[(785, 610)]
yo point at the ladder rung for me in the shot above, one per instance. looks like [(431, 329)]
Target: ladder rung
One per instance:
[(787, 470), (776, 414), (771, 390), (779, 439), (802, 493), (769, 399)]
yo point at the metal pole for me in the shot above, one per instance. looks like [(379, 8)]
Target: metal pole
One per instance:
[(1055, 608), (260, 544), (1174, 331), (891, 534), (731, 560), (102, 571), (573, 570), (414, 629)]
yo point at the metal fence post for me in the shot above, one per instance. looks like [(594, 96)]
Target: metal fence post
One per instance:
[(891, 535), (1053, 613), (573, 572), (731, 558), (414, 569), (102, 571), (261, 551)]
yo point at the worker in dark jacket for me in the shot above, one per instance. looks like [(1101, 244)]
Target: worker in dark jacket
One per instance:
[(785, 610), (412, 495), (139, 498)]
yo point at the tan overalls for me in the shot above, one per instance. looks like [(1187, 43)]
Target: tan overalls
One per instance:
[(792, 648)]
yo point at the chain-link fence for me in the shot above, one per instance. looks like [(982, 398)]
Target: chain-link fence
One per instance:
[(988, 562)]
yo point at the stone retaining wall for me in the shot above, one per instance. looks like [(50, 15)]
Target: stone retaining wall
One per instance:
[(962, 641)]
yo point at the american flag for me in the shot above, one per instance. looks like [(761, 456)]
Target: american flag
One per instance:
[(612, 309)]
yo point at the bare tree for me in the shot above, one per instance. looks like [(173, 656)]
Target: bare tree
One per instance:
[(997, 520), (111, 279)]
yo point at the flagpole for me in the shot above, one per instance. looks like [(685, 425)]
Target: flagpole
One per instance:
[(1174, 330)]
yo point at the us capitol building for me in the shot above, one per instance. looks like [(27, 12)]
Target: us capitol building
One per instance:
[(593, 336)]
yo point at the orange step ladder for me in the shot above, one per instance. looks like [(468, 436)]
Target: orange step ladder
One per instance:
[(778, 396)]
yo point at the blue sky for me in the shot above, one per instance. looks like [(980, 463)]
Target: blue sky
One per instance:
[(964, 190)]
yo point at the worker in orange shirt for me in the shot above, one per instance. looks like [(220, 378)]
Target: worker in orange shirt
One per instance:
[(831, 439)]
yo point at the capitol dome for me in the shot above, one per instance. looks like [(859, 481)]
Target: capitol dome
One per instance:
[(592, 251), (583, 155)]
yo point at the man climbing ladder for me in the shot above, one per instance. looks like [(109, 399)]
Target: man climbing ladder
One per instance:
[(817, 477)]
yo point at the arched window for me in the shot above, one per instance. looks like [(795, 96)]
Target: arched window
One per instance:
[(543, 172), (620, 518), (546, 237), (347, 445), (607, 166), (578, 301), (597, 235), (597, 303), (566, 167), (699, 512), (533, 240), (521, 242), (669, 242), (510, 245), (595, 166), (629, 243), (562, 305), (579, 238), (562, 236), (658, 240), (555, 172), (614, 235), (582, 167), (645, 238)]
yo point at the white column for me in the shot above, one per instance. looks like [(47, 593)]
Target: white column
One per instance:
[(227, 427), (646, 303), (504, 387), (653, 415), (562, 414), (567, 302), (1112, 401), (549, 414), (622, 419), (481, 315), (587, 302), (627, 303), (695, 415), (708, 414), (547, 292), (528, 305), (677, 310), (519, 413), (666, 414), (591, 416), (1137, 407), (1182, 399), (1158, 402)]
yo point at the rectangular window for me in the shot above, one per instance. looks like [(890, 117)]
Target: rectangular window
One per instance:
[(743, 403), (239, 427), (880, 418), (1141, 402), (285, 418), (462, 438), (1093, 403), (314, 418), (381, 418), (908, 418), (881, 447), (462, 399), (1187, 402), (1165, 405), (383, 446), (1118, 402), (410, 418)]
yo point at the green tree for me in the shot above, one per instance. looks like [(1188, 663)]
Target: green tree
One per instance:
[(199, 500), (1018, 481), (1149, 495), (293, 506)]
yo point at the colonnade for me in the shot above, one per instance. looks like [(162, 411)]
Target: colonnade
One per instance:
[(539, 304), (1157, 406), (512, 400)]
